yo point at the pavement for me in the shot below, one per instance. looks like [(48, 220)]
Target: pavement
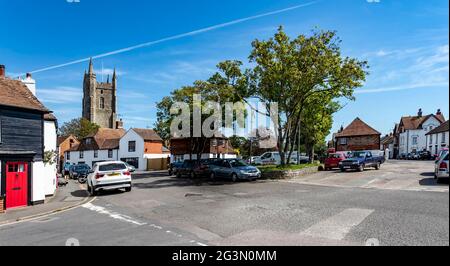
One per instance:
[(65, 198), (395, 175), (166, 211)]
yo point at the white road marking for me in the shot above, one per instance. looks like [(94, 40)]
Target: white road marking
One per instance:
[(128, 219), (338, 226), (112, 214)]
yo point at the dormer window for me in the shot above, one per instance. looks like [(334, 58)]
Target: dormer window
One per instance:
[(88, 141)]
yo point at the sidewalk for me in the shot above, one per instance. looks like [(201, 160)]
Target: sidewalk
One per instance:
[(65, 198)]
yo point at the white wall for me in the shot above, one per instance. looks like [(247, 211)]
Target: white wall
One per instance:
[(140, 147), (89, 157), (437, 141), (50, 170), (131, 135), (38, 181), (407, 145)]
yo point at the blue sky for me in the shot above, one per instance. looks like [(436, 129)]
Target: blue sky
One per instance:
[(405, 42)]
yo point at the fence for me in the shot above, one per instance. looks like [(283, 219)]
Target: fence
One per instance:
[(157, 164)]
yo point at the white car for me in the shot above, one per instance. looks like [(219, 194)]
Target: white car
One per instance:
[(274, 158), (442, 167), (109, 176)]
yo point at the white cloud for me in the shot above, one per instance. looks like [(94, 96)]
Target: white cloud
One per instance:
[(60, 95), (373, 1)]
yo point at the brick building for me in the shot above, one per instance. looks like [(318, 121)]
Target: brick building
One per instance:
[(358, 136)]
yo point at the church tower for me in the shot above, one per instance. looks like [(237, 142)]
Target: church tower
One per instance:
[(100, 99)]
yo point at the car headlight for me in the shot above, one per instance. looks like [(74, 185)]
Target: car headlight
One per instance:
[(341, 163)]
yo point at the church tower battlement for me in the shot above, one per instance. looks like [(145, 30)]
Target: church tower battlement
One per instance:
[(100, 99)]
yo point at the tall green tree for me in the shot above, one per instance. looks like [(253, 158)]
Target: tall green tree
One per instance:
[(79, 127), (291, 72)]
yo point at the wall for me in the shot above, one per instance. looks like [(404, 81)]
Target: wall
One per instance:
[(50, 170), (406, 144), (89, 157), (437, 141), (359, 143), (139, 153), (39, 182), (22, 131)]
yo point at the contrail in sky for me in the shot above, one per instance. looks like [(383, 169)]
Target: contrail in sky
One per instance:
[(175, 37)]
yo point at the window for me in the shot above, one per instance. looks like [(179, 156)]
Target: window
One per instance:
[(414, 140), (88, 141), (436, 139), (431, 139), (132, 146), (343, 141), (0, 131), (443, 138), (81, 154), (102, 103), (110, 154), (68, 156), (95, 154)]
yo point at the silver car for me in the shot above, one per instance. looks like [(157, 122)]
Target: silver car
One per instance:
[(442, 167)]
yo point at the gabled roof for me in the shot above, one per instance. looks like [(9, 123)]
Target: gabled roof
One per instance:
[(61, 139), (147, 134), (440, 129), (103, 139), (357, 128), (387, 139), (14, 93), (416, 122)]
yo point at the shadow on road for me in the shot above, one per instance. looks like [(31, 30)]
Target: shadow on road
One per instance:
[(79, 194), (181, 182), (431, 181)]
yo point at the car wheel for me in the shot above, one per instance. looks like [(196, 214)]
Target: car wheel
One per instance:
[(92, 191), (378, 166), (342, 170), (192, 175), (361, 168), (234, 177), (178, 175), (170, 173), (128, 189)]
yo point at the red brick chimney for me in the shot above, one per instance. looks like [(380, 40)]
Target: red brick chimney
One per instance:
[(2, 71)]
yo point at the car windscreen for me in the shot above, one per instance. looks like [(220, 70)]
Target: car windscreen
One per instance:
[(358, 155), (81, 167), (112, 167), (238, 163)]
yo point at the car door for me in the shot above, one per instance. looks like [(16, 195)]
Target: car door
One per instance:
[(227, 169), (369, 159)]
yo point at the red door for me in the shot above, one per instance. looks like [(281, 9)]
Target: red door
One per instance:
[(16, 185)]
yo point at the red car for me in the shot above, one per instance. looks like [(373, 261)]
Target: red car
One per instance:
[(333, 160)]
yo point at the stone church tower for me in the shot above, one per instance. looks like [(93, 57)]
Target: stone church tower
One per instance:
[(100, 100)]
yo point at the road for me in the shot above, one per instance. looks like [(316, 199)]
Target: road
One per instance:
[(162, 210)]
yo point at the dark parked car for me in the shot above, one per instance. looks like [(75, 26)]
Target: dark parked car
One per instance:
[(234, 169), (360, 160), (173, 168), (79, 170), (195, 168), (426, 155)]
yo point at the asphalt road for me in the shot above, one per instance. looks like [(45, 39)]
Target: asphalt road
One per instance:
[(167, 211)]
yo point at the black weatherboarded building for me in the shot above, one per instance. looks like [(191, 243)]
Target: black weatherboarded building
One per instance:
[(21, 141)]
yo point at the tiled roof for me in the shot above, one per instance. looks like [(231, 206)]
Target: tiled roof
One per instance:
[(415, 122), (50, 117), (15, 94), (357, 128), (103, 139), (440, 129), (147, 134)]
